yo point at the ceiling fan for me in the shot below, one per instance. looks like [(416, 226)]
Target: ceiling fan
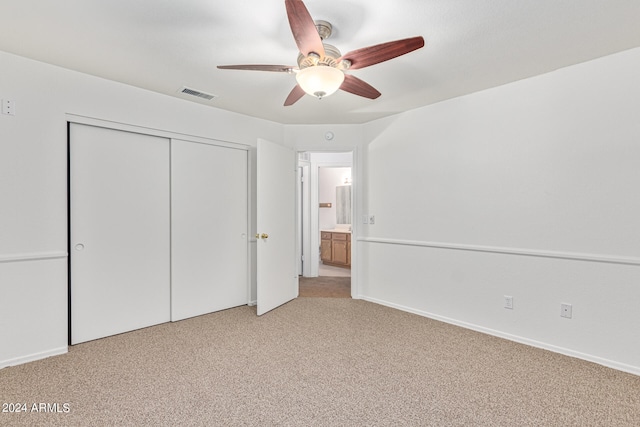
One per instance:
[(321, 67)]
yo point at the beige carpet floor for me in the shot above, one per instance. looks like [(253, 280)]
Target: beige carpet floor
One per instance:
[(327, 287), (317, 362)]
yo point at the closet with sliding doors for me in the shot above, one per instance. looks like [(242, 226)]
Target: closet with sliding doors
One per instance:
[(157, 229)]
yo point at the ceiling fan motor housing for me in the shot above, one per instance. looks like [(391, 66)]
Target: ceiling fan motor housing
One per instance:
[(331, 54)]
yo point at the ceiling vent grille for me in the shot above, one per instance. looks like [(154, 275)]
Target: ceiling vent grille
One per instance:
[(197, 93)]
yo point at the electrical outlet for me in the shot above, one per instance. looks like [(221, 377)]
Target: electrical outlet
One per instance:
[(508, 302), (372, 219), (565, 310)]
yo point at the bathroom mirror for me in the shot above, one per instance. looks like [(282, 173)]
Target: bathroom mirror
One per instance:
[(343, 204)]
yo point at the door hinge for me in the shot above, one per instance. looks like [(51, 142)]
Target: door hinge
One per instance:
[(302, 257)]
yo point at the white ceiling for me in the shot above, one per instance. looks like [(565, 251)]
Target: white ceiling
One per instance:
[(163, 45)]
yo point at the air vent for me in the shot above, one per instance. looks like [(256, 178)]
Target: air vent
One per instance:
[(198, 93)]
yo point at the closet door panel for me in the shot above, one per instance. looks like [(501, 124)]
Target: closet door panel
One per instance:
[(209, 228), (120, 231)]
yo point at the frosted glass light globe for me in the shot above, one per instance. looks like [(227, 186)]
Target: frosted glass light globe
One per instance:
[(320, 80)]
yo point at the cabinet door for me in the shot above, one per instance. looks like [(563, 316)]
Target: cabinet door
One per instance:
[(209, 229), (325, 250), (340, 252)]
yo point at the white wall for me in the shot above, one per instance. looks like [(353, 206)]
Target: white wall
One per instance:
[(33, 184), (528, 190)]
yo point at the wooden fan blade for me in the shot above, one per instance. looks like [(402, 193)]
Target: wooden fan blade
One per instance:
[(303, 28), (294, 96), (258, 67), (359, 87), (371, 55)]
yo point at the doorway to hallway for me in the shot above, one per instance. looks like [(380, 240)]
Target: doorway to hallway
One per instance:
[(325, 223)]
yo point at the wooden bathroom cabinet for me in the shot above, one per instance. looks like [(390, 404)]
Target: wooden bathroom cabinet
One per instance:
[(335, 248)]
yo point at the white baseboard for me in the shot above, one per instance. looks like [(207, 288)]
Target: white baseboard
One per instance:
[(635, 370), (32, 357)]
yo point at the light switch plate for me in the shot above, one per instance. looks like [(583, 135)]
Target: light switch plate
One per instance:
[(9, 107)]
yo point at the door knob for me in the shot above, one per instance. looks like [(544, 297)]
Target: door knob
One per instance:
[(264, 236)]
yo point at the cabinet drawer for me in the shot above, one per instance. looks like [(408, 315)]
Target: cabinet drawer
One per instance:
[(325, 236), (340, 236)]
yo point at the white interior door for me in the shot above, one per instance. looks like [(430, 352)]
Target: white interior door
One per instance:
[(119, 210), (277, 280), (209, 205)]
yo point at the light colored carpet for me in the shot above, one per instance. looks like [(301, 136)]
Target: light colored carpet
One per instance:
[(318, 362), (327, 287)]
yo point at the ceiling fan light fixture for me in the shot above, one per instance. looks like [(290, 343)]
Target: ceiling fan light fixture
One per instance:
[(320, 81), (321, 66)]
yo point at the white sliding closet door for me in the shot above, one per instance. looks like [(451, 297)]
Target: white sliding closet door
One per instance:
[(120, 231), (209, 228)]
